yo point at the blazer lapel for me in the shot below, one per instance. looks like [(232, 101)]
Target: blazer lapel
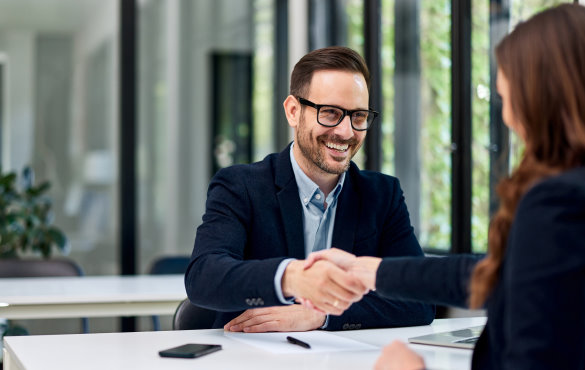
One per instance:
[(346, 217), (290, 205)]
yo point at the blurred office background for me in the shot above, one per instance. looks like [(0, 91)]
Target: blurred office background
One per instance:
[(128, 107)]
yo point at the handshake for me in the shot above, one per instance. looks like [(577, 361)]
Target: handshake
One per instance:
[(329, 281)]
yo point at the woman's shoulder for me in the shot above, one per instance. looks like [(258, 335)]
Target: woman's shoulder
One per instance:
[(552, 213), (568, 185)]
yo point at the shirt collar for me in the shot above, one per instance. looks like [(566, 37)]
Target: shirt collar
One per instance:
[(307, 187)]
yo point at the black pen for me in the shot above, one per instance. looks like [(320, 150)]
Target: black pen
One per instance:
[(298, 342)]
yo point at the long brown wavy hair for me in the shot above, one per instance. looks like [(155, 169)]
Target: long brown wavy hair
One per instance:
[(543, 60)]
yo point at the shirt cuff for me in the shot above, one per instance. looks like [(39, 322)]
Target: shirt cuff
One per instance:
[(278, 282), (324, 326)]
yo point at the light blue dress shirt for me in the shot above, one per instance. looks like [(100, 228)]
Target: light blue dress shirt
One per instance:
[(318, 219)]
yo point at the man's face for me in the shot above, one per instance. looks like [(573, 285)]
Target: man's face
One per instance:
[(330, 149)]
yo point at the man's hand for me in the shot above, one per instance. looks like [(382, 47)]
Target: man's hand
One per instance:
[(339, 257), (363, 268), (282, 318), (398, 356), (328, 287)]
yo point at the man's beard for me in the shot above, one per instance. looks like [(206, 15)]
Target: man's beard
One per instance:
[(311, 149)]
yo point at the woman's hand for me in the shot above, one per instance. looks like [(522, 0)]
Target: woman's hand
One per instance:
[(397, 356), (364, 268)]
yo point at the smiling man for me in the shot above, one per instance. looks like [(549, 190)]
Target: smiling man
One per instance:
[(262, 219)]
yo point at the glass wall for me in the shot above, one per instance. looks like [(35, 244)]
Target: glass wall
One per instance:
[(416, 143), (417, 114), (480, 49), (495, 148), (415, 59), (263, 79), (60, 63), (435, 132), (59, 107), (193, 115), (416, 120)]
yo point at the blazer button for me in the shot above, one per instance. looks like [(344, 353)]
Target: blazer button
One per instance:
[(260, 302), (351, 326), (358, 326), (345, 326), (248, 301)]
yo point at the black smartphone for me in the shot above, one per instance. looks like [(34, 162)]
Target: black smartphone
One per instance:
[(190, 350)]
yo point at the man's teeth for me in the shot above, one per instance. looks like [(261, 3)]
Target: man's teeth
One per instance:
[(340, 147)]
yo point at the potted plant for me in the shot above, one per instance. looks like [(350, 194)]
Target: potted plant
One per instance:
[(25, 228), (26, 218)]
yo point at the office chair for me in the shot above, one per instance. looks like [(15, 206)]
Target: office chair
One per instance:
[(191, 317), (16, 268), (19, 268), (167, 265)]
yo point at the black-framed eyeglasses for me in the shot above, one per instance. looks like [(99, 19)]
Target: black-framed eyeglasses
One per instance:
[(331, 116)]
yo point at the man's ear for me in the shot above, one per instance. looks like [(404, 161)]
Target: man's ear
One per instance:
[(292, 110)]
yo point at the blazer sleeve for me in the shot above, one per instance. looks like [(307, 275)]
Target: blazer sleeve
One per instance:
[(218, 276), (441, 280), (395, 238), (544, 280)]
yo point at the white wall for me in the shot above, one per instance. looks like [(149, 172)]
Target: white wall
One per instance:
[(18, 48)]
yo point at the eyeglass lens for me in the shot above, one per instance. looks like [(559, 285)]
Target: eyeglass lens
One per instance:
[(331, 116)]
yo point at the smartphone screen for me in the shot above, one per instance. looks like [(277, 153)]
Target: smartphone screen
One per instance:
[(190, 350)]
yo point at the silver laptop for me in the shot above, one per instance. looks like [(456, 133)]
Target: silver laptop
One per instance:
[(463, 338)]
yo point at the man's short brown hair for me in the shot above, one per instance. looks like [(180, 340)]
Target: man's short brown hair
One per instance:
[(334, 58)]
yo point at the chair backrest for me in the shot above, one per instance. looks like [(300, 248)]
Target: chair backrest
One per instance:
[(39, 268), (191, 317), (169, 265), (21, 268)]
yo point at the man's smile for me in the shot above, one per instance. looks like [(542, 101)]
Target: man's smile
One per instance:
[(338, 147)]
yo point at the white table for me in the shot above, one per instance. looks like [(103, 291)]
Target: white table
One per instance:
[(90, 296), (139, 350)]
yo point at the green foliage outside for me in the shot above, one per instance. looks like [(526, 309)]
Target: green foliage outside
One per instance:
[(435, 51), (387, 118), (354, 10), (262, 141), (480, 134), (519, 10)]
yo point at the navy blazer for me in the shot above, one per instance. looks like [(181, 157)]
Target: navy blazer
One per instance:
[(536, 313), (254, 220)]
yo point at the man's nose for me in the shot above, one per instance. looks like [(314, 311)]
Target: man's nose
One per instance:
[(344, 129)]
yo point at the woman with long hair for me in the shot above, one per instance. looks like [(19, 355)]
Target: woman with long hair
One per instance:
[(532, 280)]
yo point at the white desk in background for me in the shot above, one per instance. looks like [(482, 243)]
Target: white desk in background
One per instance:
[(139, 350), (90, 296)]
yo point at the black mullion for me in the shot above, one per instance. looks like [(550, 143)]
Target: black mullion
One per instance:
[(461, 126), (334, 21), (281, 131), (407, 103), (127, 145), (373, 57), (327, 23), (311, 16), (499, 133)]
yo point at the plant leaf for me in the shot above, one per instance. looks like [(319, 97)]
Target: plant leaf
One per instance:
[(57, 237)]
